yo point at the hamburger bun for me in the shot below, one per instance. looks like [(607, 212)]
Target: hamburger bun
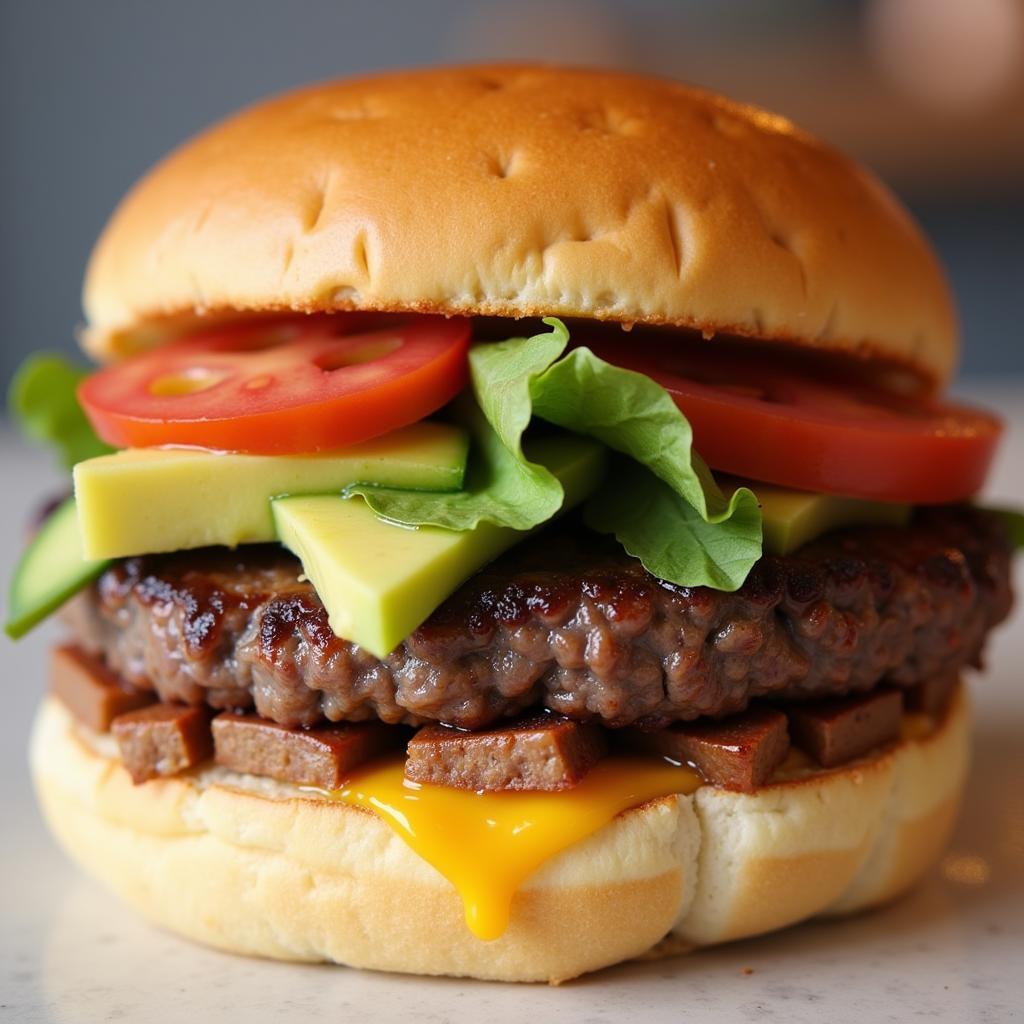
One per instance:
[(258, 867), (520, 191), (512, 192)]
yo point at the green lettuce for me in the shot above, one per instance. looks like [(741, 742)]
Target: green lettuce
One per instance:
[(661, 501), (1013, 520), (672, 539), (42, 399)]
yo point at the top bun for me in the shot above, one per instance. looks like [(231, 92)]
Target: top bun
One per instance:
[(523, 191)]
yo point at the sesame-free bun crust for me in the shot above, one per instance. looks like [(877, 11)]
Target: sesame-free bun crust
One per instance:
[(522, 191), (260, 868)]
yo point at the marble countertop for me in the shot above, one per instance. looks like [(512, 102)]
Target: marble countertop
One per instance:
[(951, 951)]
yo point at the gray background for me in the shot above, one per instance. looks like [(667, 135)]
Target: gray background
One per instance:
[(94, 91)]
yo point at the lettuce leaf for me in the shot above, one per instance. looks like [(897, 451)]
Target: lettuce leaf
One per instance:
[(43, 401), (670, 537), (662, 502), (1013, 520)]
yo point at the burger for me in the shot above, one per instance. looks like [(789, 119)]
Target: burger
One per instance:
[(517, 527)]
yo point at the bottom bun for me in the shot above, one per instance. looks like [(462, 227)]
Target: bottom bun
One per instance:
[(257, 867)]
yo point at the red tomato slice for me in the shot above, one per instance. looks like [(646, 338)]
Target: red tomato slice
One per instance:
[(812, 423), (303, 384)]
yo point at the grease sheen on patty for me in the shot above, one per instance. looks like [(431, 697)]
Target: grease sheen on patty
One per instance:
[(565, 621)]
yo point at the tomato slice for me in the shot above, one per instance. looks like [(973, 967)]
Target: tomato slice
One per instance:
[(817, 424), (302, 384)]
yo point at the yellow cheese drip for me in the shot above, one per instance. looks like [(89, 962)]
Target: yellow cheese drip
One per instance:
[(488, 844)]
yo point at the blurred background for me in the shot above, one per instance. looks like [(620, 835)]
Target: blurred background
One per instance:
[(928, 92)]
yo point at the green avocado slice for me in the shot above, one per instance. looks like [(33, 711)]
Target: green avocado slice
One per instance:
[(379, 580), (792, 518), (141, 501)]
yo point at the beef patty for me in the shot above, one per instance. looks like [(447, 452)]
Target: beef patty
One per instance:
[(565, 621)]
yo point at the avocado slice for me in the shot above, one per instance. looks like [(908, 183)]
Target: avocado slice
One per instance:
[(379, 580), (147, 500), (792, 518), (51, 570)]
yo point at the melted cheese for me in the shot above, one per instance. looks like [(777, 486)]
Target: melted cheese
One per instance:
[(488, 844)]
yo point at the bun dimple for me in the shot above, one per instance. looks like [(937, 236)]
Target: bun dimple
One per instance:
[(257, 867), (521, 191)]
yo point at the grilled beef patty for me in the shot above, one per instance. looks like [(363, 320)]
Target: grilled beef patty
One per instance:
[(566, 621)]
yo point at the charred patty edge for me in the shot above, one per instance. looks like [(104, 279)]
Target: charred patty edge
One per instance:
[(566, 622)]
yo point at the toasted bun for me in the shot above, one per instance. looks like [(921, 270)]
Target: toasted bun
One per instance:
[(261, 868), (522, 191)]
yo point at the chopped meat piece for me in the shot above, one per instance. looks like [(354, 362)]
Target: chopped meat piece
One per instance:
[(566, 621), (90, 691), (313, 757), (836, 731), (740, 752), (163, 739), (933, 695), (543, 752)]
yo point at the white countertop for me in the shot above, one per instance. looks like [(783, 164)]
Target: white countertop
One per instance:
[(951, 951)]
